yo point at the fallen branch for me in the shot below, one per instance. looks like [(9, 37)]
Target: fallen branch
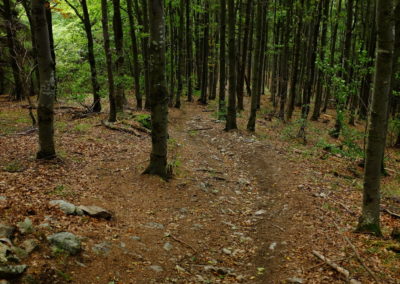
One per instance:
[(199, 129), (357, 254), (137, 127), (391, 213), (336, 267), (121, 129)]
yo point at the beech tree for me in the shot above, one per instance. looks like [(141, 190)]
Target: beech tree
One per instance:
[(158, 91), (45, 110), (369, 221)]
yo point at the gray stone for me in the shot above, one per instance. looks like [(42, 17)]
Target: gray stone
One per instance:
[(167, 246), (226, 251), (4, 252), (66, 207), (66, 241), (11, 271), (102, 248), (30, 245), (25, 227), (260, 212), (3, 198), (153, 225), (6, 231), (295, 280), (95, 211), (156, 268), (136, 238)]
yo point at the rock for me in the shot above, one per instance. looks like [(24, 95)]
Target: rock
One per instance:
[(4, 282), (30, 245), (6, 231), (44, 226), (167, 246), (95, 211), (102, 248), (11, 271), (217, 269), (272, 246), (153, 225), (396, 234), (66, 241), (136, 238), (4, 252), (260, 212), (25, 227), (3, 198), (156, 268), (66, 207), (226, 251), (295, 280)]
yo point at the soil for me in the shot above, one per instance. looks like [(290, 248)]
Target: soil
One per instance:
[(241, 208)]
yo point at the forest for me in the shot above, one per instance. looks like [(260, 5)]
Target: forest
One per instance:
[(199, 141)]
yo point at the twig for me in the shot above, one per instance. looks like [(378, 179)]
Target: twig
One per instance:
[(181, 242), (280, 228), (356, 253)]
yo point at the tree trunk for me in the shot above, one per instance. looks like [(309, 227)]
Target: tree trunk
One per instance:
[(319, 91), (158, 91), (222, 65), (204, 73), (295, 66), (111, 89), (120, 99), (189, 56), (9, 22), (181, 53), (369, 221), (47, 82), (251, 125), (231, 114), (135, 53), (242, 64)]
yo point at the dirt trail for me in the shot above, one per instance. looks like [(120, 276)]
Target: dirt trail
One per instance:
[(232, 214), (229, 215)]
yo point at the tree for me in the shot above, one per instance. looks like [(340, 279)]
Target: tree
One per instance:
[(222, 57), (255, 92), (8, 13), (87, 24), (158, 91), (111, 89), (120, 99), (231, 115), (47, 94), (369, 221), (135, 54)]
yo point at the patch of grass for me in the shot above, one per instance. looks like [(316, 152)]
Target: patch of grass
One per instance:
[(61, 126), (14, 167), (64, 275), (193, 133), (62, 191), (144, 120), (82, 127)]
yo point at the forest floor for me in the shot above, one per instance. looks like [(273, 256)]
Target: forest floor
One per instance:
[(241, 208)]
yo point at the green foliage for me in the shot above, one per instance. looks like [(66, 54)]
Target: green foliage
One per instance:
[(144, 120), (14, 167)]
